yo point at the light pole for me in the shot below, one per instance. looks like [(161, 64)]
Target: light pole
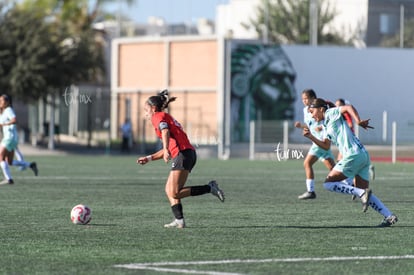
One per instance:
[(401, 26), (313, 24)]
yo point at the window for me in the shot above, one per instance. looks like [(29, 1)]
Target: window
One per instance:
[(388, 23)]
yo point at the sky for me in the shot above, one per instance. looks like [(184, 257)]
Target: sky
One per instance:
[(173, 11)]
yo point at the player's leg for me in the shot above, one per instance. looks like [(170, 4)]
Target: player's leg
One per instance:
[(175, 182), (4, 158), (375, 202), (308, 163), (349, 181), (185, 161), (19, 160), (349, 167), (19, 155), (22, 163), (329, 163), (174, 186), (334, 182)]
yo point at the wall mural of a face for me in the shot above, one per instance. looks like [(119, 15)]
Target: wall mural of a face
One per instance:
[(262, 86)]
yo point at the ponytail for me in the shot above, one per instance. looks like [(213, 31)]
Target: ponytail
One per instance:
[(160, 101)]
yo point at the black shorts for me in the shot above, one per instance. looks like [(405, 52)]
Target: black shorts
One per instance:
[(185, 160)]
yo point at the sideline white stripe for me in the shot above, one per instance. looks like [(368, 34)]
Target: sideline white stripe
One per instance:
[(157, 266)]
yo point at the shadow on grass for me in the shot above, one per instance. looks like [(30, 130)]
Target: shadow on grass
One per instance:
[(402, 201), (315, 227), (101, 224)]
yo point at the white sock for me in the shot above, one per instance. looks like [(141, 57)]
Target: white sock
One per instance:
[(310, 185), (18, 155), (20, 163), (378, 206), (349, 181), (5, 168), (340, 187)]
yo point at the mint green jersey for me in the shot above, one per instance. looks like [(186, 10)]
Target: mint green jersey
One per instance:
[(9, 131), (339, 133), (315, 127)]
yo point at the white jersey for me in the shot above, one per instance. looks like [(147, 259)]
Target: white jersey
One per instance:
[(9, 131), (339, 133)]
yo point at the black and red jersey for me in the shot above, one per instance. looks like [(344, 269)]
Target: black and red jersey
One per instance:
[(178, 138)]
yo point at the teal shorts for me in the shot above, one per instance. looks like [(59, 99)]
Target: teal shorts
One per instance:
[(320, 153), (354, 165), (9, 144)]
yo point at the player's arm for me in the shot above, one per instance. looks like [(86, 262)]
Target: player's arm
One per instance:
[(13, 120), (154, 156), (164, 153), (324, 144), (165, 136), (348, 119), (355, 115), (300, 125)]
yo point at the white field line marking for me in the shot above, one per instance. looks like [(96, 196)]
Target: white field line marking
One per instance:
[(157, 266), (174, 270)]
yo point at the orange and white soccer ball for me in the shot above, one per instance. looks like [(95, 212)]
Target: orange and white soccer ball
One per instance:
[(81, 214)]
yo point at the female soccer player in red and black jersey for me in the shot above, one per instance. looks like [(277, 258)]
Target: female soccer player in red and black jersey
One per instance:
[(175, 147)]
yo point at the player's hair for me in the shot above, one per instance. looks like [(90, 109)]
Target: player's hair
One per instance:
[(7, 98), (319, 102), (342, 101), (309, 92), (160, 101)]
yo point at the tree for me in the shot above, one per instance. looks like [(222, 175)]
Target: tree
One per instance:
[(42, 53), (288, 22), (394, 41), (25, 49), (45, 50)]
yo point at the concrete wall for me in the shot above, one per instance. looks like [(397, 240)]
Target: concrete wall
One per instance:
[(186, 66), (374, 80)]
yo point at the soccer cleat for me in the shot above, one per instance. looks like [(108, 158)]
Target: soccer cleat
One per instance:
[(353, 197), (33, 166), (175, 224), (390, 220), (307, 196), (215, 190), (6, 181), (365, 199)]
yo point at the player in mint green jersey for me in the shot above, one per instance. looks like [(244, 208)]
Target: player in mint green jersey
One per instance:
[(9, 142), (355, 160), (315, 153)]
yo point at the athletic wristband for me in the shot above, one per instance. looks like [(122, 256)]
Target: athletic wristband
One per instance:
[(149, 157)]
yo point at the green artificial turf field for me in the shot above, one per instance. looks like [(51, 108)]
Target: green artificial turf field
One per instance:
[(261, 228)]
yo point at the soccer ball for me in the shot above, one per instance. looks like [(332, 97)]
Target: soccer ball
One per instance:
[(81, 214)]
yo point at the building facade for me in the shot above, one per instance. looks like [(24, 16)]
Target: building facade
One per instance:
[(386, 18), (187, 66)]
